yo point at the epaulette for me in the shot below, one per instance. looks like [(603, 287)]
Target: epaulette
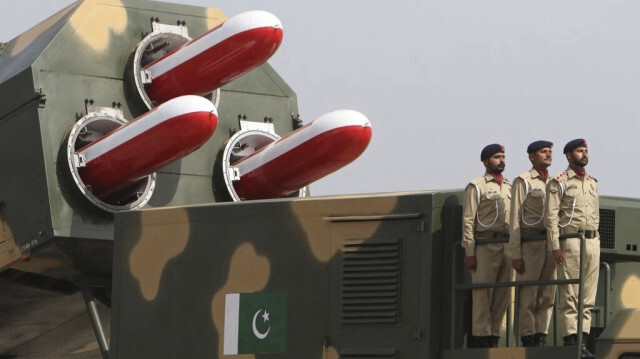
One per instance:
[(561, 176), (477, 181), (525, 175), (593, 178)]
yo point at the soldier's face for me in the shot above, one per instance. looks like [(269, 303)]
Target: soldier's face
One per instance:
[(579, 157), (495, 163), (541, 158)]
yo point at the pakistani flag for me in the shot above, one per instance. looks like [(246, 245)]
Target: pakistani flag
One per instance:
[(255, 323)]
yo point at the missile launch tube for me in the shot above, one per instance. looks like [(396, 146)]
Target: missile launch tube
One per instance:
[(215, 58), (146, 144), (304, 156)]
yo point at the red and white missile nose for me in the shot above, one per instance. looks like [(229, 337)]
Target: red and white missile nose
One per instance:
[(303, 156), (215, 58), (146, 144)]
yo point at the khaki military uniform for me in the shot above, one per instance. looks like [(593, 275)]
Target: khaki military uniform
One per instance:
[(526, 219), (573, 206), (485, 215)]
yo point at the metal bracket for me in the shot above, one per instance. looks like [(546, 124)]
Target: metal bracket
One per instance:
[(296, 121), (101, 110), (145, 76), (234, 174), (41, 98), (79, 160), (172, 29), (260, 126)]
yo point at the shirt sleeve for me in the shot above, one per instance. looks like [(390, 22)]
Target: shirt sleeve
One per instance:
[(469, 210), (554, 196), (517, 198)]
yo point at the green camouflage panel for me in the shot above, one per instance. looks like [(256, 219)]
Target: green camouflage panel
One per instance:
[(360, 274)]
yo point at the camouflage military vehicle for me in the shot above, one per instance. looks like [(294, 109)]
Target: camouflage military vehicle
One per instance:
[(369, 276), (181, 266)]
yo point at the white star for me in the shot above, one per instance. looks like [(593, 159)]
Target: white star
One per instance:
[(265, 316)]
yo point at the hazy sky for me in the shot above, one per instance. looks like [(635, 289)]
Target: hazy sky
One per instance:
[(441, 79)]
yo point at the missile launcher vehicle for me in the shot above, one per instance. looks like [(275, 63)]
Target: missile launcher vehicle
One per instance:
[(154, 203)]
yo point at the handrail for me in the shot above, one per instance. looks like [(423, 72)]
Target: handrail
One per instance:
[(607, 291), (518, 284)]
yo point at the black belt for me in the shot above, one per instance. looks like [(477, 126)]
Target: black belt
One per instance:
[(532, 231), (589, 233), (490, 234)]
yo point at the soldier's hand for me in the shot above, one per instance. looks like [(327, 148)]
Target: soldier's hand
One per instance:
[(471, 262), (518, 265), (557, 256)]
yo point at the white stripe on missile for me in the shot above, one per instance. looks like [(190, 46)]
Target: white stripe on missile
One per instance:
[(285, 144), (167, 111), (242, 22)]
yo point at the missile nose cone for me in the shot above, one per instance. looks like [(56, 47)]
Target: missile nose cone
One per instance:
[(256, 18), (346, 119)]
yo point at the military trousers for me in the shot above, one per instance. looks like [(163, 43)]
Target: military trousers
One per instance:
[(490, 304), (570, 269), (536, 302)]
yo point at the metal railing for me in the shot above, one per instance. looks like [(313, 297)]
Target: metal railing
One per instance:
[(607, 292), (517, 284)]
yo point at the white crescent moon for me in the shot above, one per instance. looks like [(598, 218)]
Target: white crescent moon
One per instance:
[(255, 330)]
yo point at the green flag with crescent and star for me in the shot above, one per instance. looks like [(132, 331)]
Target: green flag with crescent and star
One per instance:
[(255, 323)]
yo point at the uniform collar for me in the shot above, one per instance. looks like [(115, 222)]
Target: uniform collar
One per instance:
[(571, 173), (534, 173), (489, 177)]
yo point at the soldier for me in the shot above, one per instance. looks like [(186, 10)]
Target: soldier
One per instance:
[(573, 207), (532, 260), (485, 216)]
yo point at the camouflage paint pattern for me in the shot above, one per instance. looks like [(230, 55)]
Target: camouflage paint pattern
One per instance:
[(621, 336), (83, 53), (175, 262), (304, 247)]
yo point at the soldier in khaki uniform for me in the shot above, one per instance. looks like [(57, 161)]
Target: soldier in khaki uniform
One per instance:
[(485, 216), (532, 260), (573, 207)]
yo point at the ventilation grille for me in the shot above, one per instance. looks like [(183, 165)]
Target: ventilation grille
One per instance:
[(607, 228), (370, 281), (368, 354)]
